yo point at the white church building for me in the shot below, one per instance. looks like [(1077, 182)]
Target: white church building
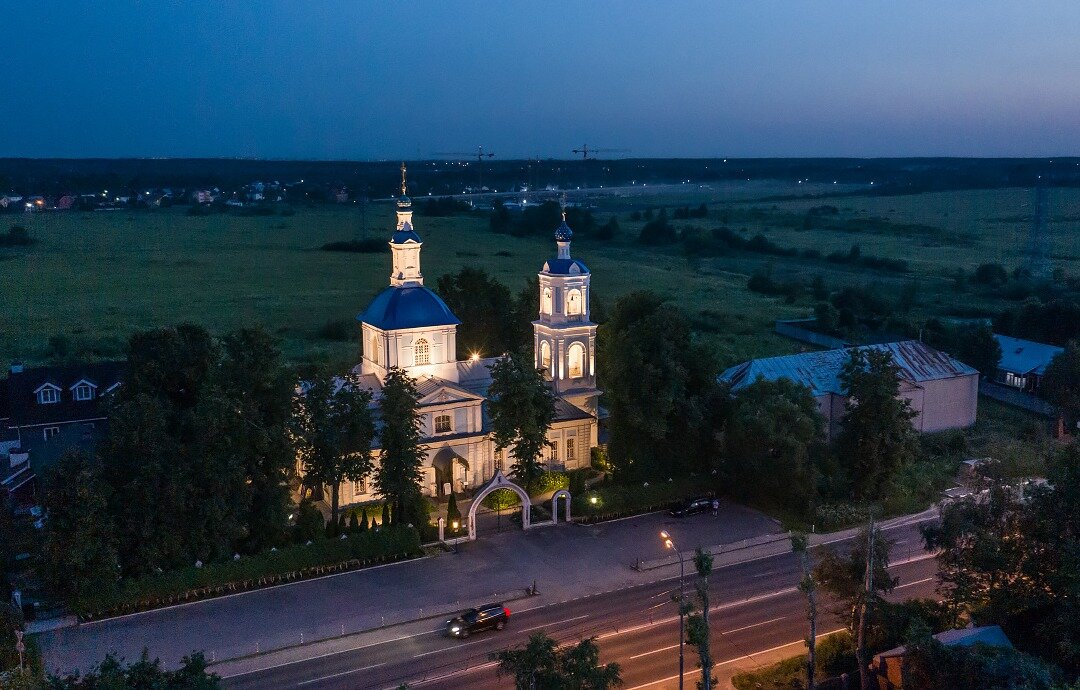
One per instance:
[(408, 326)]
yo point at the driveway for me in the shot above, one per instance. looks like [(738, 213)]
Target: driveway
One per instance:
[(566, 562)]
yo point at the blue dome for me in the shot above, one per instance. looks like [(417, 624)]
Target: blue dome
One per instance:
[(565, 267), (563, 233), (405, 234), (412, 306)]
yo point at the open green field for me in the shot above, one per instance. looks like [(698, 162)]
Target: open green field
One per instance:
[(95, 277)]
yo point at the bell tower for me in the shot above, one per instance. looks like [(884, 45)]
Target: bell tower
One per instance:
[(564, 336), (405, 244)]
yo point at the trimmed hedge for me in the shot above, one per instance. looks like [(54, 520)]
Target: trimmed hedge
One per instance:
[(621, 500), (288, 564)]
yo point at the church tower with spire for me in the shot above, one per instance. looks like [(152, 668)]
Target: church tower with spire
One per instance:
[(407, 325), (564, 335)]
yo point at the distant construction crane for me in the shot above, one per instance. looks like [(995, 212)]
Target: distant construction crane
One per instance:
[(584, 151), (479, 155), (1038, 249)]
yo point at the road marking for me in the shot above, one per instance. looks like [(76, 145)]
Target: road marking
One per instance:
[(451, 674), (655, 651), (738, 658), (916, 582), (754, 625), (568, 620), (338, 675)]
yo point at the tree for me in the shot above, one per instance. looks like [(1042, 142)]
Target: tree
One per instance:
[(928, 663), (992, 275), (398, 475), (253, 376), (1012, 557), (771, 441), (661, 390), (541, 665), (977, 346), (608, 230), (79, 553), (453, 515), (522, 407), (698, 623), (490, 323), (334, 430), (876, 436), (808, 585), (856, 582), (144, 673), (1061, 383)]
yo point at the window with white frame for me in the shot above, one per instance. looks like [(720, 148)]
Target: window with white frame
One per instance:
[(421, 352), (1012, 379), (545, 354), (84, 391), (48, 395), (545, 302), (442, 424), (499, 458), (553, 456), (359, 487), (570, 450), (51, 431)]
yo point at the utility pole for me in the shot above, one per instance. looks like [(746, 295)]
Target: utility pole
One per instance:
[(868, 589)]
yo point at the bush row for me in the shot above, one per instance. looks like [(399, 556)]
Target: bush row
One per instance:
[(283, 565)]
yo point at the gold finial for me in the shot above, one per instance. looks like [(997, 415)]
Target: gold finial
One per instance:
[(402, 178), (562, 206), (564, 215)]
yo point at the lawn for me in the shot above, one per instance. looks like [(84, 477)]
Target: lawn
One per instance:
[(95, 277)]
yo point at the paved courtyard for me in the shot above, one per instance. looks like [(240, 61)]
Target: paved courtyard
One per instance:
[(566, 561)]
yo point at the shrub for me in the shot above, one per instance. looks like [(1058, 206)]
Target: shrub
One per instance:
[(309, 522), (452, 512), (17, 236), (551, 481), (993, 275), (354, 522), (658, 231), (502, 499), (291, 562)]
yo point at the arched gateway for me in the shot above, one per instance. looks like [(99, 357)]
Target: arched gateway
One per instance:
[(499, 481)]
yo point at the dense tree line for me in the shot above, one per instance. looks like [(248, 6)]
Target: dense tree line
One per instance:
[(1056, 321)]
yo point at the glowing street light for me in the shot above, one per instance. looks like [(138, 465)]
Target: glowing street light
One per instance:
[(669, 543)]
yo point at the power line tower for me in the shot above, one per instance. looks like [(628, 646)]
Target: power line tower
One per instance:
[(1038, 249)]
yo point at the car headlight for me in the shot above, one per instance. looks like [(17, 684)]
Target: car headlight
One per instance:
[(455, 628)]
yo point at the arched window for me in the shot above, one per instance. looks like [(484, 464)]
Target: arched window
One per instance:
[(576, 360), (545, 301), (374, 356), (421, 352), (573, 303), (545, 354)]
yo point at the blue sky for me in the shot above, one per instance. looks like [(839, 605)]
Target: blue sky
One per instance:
[(370, 80)]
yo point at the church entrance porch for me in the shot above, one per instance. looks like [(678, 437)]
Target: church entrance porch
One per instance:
[(450, 471)]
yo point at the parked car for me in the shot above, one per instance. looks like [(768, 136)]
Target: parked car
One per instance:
[(485, 617), (692, 506)]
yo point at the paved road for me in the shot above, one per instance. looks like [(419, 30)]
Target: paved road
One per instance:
[(756, 609)]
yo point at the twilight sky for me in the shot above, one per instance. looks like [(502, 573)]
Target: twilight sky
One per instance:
[(356, 79)]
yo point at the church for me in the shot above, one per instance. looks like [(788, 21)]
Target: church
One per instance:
[(408, 326)]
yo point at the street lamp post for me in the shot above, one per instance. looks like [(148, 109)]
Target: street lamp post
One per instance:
[(669, 543)]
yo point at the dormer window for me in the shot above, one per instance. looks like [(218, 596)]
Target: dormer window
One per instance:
[(48, 394), (83, 391)]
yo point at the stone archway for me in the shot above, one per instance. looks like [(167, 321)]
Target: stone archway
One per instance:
[(563, 494), (499, 481)]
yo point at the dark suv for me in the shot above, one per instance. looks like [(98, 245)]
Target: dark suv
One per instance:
[(484, 617), (692, 507)]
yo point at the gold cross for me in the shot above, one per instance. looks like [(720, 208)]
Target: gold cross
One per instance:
[(402, 178)]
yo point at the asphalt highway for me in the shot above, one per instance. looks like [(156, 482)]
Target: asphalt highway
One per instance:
[(755, 609)]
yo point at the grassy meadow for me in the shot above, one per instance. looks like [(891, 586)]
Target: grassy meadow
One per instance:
[(95, 277)]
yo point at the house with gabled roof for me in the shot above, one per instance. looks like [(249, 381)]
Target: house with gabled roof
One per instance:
[(942, 391), (45, 411)]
